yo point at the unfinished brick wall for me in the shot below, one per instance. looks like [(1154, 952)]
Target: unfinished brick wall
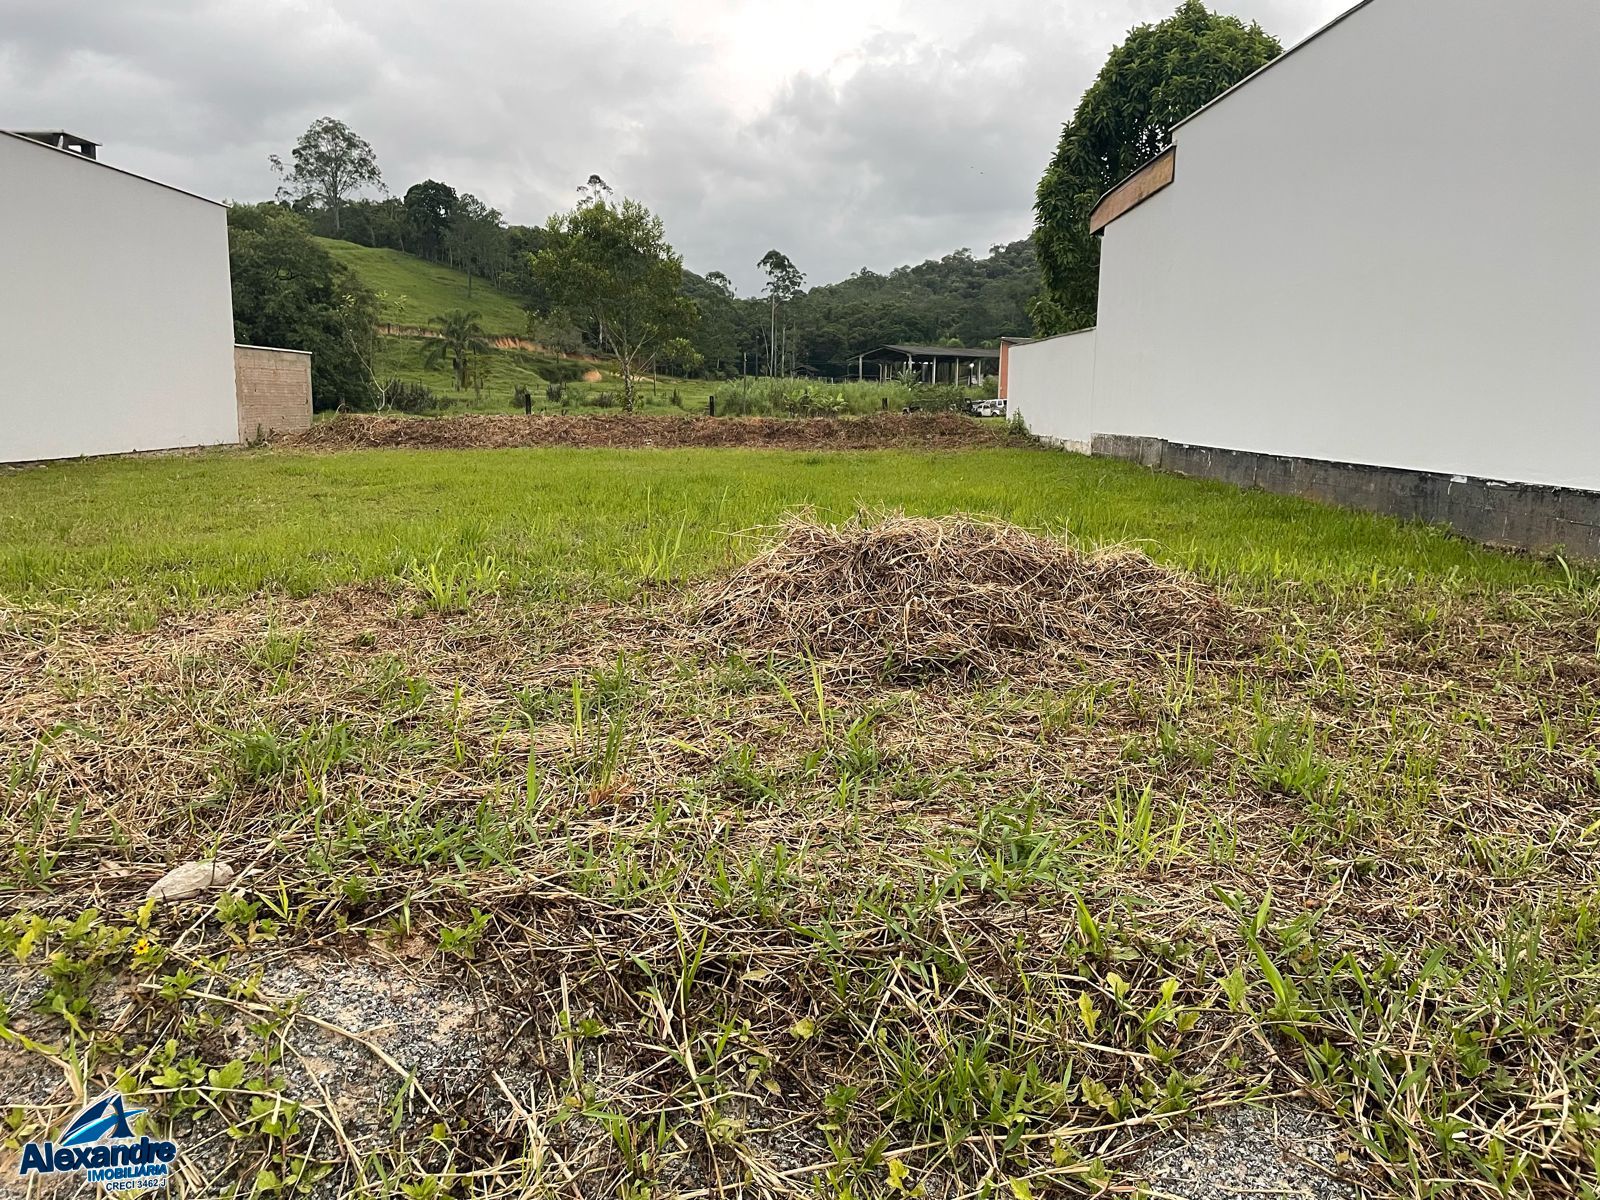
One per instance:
[(274, 390)]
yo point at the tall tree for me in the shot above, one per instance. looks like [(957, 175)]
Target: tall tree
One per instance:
[(430, 207), (1161, 74), (330, 162), (476, 239), (461, 336), (719, 335), (610, 265), (784, 281), (288, 291)]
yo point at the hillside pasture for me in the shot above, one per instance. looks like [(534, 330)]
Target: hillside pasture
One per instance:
[(412, 291)]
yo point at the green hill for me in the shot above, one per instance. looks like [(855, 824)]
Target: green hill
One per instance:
[(413, 291)]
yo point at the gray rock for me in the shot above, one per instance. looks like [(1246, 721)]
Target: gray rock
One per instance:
[(189, 880)]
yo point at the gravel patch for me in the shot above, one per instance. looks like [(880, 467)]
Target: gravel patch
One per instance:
[(1273, 1151), (357, 1022)]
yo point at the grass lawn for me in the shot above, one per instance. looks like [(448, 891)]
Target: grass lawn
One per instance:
[(412, 291), (557, 520), (543, 883)]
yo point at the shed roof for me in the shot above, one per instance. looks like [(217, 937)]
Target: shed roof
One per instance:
[(936, 351)]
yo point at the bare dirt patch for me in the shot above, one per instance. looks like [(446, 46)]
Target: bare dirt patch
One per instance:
[(879, 431)]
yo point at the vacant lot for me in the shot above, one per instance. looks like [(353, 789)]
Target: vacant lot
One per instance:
[(591, 840)]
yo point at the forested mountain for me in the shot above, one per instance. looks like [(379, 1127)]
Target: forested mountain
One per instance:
[(958, 299), (955, 300)]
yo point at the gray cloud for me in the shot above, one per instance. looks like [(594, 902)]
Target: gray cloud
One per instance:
[(846, 134)]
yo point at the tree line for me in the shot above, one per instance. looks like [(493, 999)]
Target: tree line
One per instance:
[(603, 275)]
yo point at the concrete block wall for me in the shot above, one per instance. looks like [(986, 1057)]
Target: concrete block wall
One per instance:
[(1524, 515), (274, 390)]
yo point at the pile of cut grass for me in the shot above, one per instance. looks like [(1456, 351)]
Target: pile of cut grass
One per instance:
[(877, 431), (897, 597)]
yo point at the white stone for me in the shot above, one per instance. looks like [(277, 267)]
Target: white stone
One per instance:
[(190, 879)]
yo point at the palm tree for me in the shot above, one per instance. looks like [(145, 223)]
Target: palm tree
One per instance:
[(460, 336)]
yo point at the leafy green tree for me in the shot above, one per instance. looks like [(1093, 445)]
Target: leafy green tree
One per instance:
[(377, 223), (609, 265), (718, 335), (288, 291), (679, 357), (784, 281), (461, 337), (476, 239), (330, 162), (430, 206), (1161, 74)]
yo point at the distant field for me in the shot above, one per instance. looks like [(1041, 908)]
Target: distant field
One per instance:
[(405, 358), (413, 292)]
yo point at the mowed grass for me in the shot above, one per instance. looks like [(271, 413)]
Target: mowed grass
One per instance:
[(412, 291), (595, 899), (589, 522)]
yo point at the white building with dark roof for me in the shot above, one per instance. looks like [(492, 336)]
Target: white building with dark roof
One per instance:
[(116, 310)]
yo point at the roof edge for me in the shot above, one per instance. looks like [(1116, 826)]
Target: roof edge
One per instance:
[(1134, 189), (95, 162), (1265, 67)]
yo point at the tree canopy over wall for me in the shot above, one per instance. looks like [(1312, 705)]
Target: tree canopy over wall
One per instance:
[(1161, 74)]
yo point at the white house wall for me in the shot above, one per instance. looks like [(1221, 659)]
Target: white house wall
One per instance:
[(1384, 250), (116, 312), (1050, 384)]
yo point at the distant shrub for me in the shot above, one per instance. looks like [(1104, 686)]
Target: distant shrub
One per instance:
[(556, 393), (561, 370), (939, 397), (675, 400), (402, 395), (603, 400)]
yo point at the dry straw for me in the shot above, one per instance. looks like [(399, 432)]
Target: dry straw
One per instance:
[(901, 596), (925, 431)]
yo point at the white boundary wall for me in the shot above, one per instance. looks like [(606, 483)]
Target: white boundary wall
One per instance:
[(1050, 384), (116, 311), (1382, 250)]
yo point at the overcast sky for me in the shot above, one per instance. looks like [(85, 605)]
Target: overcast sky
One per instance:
[(846, 133)]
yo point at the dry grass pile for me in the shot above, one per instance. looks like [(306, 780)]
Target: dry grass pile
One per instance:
[(927, 431), (903, 596)]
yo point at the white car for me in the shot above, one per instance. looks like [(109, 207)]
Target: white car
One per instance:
[(986, 408)]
